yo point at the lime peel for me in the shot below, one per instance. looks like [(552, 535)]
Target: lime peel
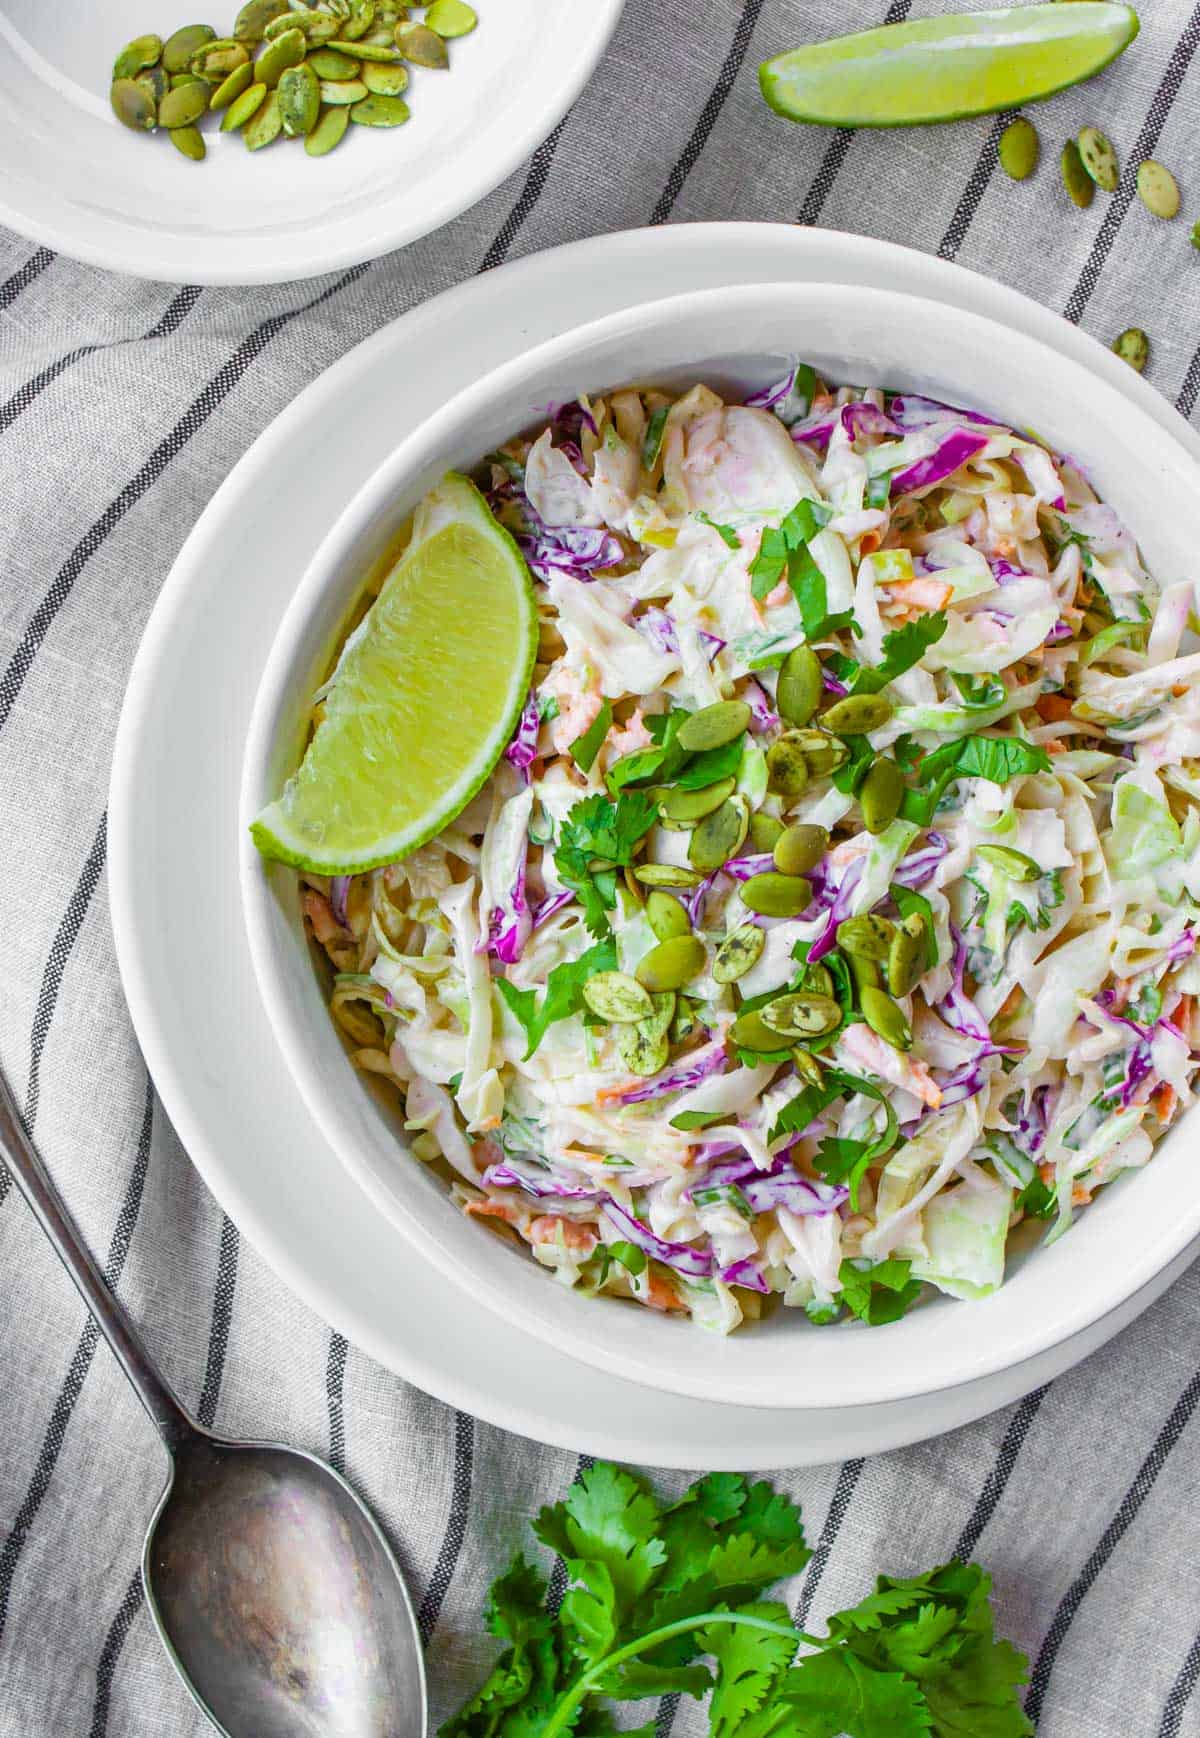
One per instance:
[(425, 697), (928, 70)]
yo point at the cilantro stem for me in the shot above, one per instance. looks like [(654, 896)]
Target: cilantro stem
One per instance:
[(560, 1720)]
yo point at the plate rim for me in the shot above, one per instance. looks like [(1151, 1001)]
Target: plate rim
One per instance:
[(176, 262), (586, 256)]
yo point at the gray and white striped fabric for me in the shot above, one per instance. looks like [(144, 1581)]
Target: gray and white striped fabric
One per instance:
[(122, 407)]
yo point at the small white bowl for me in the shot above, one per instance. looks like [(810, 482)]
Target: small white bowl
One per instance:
[(73, 177), (738, 339)]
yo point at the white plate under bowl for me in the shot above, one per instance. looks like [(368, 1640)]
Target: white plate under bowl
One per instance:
[(173, 831), (737, 339), (73, 177)]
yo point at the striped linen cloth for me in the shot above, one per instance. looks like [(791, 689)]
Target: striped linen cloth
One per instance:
[(122, 407)]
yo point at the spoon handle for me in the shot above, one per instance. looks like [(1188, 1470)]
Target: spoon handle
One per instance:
[(31, 1177)]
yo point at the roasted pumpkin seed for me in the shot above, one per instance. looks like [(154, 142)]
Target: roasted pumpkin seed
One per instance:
[(136, 56), (217, 59), (242, 108), (666, 915), (385, 81), (868, 936), (327, 63), (367, 51), (133, 105), (671, 964), (299, 100), (617, 997), (451, 18), (880, 794), (774, 895), (179, 79), (380, 112), (662, 1012), (1015, 864), (765, 830), (824, 753), (802, 1016), (183, 107), (787, 767), (643, 1053), (807, 1067), (1075, 178), (179, 48), (666, 875), (359, 19), (424, 47), (906, 955), (189, 142), (254, 17), (286, 50), (240, 79), (738, 953), (343, 94), (718, 836), (886, 1018), (1099, 159), (751, 1032), (329, 131), (1018, 149), (800, 849), (678, 804), (799, 692), (157, 83), (858, 714), (864, 972), (1157, 189), (265, 127), (1133, 346)]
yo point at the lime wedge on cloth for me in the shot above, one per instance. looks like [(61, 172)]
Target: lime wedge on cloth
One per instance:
[(942, 69), (424, 698)]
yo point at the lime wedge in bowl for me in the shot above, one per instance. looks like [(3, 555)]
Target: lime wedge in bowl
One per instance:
[(425, 696), (943, 69)]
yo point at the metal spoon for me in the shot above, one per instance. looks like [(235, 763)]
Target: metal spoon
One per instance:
[(277, 1597)]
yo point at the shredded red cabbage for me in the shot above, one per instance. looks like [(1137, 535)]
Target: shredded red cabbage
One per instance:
[(575, 549), (522, 750), (659, 629), (745, 1273), (692, 1263), (552, 903), (957, 447), (537, 1181), (689, 1072), (912, 411), (921, 865), (762, 717), (842, 896), (742, 868)]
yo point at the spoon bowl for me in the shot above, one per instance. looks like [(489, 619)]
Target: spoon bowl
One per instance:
[(277, 1596), (279, 1599)]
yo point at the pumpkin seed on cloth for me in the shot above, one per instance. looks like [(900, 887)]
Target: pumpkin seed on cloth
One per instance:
[(179, 48), (1157, 189), (155, 81), (738, 953), (617, 997), (1133, 346), (380, 112), (1075, 178), (219, 58), (1099, 159), (299, 92), (189, 142), (359, 18), (1018, 149), (243, 107), (329, 131), (451, 18)]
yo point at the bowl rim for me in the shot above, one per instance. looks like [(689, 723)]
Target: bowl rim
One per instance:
[(886, 1384)]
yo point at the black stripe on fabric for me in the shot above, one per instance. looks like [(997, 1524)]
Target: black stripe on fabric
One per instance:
[(997, 1479), (975, 189), (60, 1417), (21, 279), (110, 1653), (222, 1315), (730, 67), (1147, 141), (1185, 404), (835, 151), (335, 1400), (839, 1506), (197, 414), (1124, 1518), (539, 171), (456, 1526), (65, 937), (558, 1575), (1180, 1693), (25, 395)]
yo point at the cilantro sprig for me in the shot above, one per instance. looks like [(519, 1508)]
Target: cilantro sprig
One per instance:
[(784, 553), (995, 758), (664, 1599), (563, 994), (599, 837)]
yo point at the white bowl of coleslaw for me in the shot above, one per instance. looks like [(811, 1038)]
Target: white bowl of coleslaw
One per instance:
[(1045, 1042)]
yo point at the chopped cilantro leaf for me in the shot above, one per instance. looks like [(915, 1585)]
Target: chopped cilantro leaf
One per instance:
[(902, 648), (563, 994), (585, 748), (597, 837), (712, 764), (995, 758), (726, 533), (880, 1293)]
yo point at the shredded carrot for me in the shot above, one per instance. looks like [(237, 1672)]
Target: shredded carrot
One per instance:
[(491, 1210), (1053, 707), (1164, 1100), (661, 1296), (921, 592), (547, 1227), (869, 542), (1055, 747), (1046, 1173), (1080, 1196)]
